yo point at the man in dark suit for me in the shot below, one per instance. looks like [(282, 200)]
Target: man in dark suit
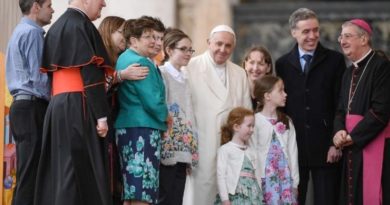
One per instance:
[(312, 76)]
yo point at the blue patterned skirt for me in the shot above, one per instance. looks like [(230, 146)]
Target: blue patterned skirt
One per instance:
[(139, 151)]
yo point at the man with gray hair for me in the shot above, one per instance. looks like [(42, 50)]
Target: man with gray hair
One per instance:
[(72, 167), (362, 121), (312, 76), (217, 85)]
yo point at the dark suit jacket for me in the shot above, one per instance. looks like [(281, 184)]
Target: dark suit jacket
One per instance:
[(312, 100)]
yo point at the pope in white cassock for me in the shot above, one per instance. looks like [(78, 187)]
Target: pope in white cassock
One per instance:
[(217, 85)]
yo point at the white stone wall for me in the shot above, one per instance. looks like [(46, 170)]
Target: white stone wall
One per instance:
[(164, 9), (9, 16)]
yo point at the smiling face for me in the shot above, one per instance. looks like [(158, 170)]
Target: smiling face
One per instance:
[(245, 130), (221, 46), (255, 65), (354, 44), (307, 34), (181, 54), (144, 45)]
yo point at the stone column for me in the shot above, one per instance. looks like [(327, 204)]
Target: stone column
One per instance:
[(197, 18)]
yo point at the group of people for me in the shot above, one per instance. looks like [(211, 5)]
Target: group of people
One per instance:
[(97, 121)]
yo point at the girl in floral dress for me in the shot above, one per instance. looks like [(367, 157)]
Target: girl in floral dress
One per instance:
[(237, 181), (179, 144), (275, 143)]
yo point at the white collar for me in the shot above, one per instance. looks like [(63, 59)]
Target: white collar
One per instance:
[(176, 74), (362, 58)]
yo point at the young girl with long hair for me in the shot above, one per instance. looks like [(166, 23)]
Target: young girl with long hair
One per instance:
[(237, 176), (275, 143), (179, 145)]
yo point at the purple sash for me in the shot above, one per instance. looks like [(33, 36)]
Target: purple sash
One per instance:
[(372, 162)]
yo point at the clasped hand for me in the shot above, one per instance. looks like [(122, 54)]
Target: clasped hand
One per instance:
[(342, 139)]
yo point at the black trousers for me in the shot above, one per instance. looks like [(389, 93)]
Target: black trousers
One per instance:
[(26, 123), (172, 183), (326, 184)]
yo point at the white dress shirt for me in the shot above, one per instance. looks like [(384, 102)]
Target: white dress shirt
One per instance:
[(175, 73)]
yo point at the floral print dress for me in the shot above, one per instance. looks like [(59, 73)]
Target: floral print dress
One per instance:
[(277, 184), (139, 151), (248, 191), (179, 143)]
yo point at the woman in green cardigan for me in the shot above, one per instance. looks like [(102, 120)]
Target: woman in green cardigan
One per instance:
[(141, 118)]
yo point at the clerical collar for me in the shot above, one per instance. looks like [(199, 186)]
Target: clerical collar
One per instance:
[(220, 70), (356, 63)]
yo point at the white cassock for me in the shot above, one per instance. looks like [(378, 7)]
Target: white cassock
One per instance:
[(212, 102)]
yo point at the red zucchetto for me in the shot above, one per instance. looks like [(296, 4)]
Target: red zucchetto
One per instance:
[(362, 24)]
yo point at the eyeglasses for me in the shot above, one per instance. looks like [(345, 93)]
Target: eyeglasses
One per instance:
[(150, 37), (347, 36), (186, 50)]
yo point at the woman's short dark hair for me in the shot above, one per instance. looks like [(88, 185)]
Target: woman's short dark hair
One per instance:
[(136, 27)]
